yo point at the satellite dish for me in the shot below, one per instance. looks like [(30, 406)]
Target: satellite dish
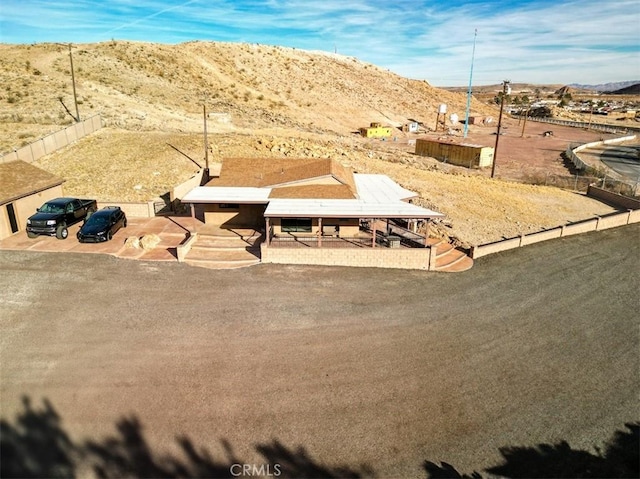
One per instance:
[(454, 119)]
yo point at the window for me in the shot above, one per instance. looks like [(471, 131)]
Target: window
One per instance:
[(296, 225), (229, 206)]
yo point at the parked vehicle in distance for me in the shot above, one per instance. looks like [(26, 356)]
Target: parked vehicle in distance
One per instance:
[(102, 225), (56, 215)]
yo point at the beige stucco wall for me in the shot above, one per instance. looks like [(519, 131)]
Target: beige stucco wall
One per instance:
[(25, 207), (244, 215)]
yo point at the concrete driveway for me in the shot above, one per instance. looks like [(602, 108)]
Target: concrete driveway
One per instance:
[(171, 230)]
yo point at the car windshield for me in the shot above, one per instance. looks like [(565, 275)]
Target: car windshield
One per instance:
[(98, 220), (49, 208)]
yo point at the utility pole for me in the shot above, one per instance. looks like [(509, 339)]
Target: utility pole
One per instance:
[(506, 90), (473, 54), (73, 83), (206, 144), (526, 115)]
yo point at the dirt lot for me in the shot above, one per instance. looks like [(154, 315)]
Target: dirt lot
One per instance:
[(323, 370)]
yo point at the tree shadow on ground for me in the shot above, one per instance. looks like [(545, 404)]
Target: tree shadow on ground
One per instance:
[(619, 459), (37, 446)]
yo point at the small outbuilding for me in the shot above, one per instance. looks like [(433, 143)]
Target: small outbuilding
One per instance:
[(461, 154), (376, 130), (23, 188)]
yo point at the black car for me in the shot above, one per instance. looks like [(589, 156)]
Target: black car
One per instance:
[(102, 225)]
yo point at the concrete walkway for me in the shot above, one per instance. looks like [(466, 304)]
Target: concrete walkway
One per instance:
[(172, 230), (216, 248)]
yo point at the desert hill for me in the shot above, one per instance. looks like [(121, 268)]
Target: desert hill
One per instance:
[(264, 101), (145, 86)]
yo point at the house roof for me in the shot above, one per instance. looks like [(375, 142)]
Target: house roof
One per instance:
[(19, 179), (227, 194), (284, 172), (308, 188), (313, 191), (380, 189)]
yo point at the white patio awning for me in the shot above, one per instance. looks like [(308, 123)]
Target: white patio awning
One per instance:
[(380, 189), (294, 208)]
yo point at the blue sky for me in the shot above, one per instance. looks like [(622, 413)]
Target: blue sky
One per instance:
[(536, 41)]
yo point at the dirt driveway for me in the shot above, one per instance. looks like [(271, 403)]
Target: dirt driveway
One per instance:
[(321, 370)]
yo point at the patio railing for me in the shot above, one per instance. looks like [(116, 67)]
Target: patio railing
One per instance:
[(298, 241)]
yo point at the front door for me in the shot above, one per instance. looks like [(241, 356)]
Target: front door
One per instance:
[(13, 221)]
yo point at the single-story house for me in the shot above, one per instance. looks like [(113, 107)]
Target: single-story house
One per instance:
[(303, 197), (23, 188)]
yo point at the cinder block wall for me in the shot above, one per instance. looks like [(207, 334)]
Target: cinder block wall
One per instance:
[(402, 258)]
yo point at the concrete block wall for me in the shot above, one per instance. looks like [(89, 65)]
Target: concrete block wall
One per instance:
[(54, 141), (401, 258), (613, 198), (179, 191), (540, 236), (579, 228), (594, 224), (134, 210)]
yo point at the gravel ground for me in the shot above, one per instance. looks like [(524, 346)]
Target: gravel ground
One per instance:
[(330, 369)]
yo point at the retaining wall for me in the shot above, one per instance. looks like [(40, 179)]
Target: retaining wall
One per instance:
[(131, 209), (182, 250), (594, 224), (613, 198), (179, 191), (401, 258), (54, 141), (577, 161)]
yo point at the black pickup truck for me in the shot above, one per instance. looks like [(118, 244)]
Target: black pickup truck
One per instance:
[(54, 216)]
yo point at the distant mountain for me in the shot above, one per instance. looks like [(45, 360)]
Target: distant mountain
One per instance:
[(608, 87), (630, 90)]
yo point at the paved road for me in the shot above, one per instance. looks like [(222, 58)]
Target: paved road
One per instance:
[(363, 369), (623, 159)]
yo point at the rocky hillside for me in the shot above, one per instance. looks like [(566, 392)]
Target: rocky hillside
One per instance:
[(144, 86)]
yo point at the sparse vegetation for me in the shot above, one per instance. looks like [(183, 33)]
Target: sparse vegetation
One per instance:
[(267, 92)]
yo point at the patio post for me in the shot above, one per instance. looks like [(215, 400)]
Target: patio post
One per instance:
[(319, 232), (373, 228), (426, 232), (193, 216), (268, 231)]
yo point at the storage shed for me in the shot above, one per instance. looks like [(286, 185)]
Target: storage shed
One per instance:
[(376, 130), (23, 188), (462, 154)]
